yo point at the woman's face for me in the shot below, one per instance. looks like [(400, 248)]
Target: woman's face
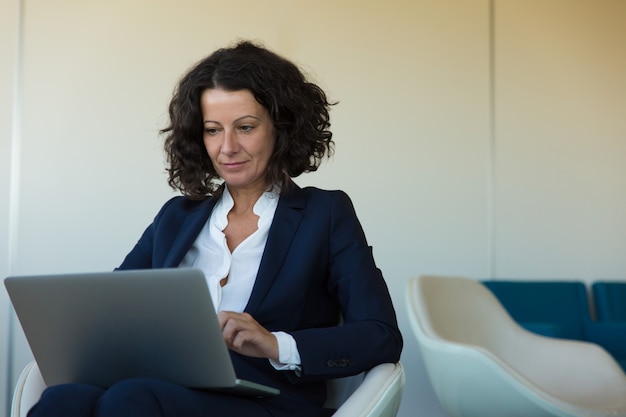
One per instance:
[(238, 136)]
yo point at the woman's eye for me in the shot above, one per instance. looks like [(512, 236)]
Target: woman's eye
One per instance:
[(210, 131), (246, 128)]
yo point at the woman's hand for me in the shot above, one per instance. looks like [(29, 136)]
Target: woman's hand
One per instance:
[(243, 334)]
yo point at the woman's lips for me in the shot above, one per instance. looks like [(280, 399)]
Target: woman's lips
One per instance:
[(233, 165)]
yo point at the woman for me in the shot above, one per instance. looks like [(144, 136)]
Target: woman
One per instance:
[(283, 263)]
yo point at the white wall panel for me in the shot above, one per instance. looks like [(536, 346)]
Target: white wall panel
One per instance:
[(9, 33)]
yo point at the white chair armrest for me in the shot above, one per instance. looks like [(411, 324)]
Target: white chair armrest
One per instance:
[(27, 391), (379, 394)]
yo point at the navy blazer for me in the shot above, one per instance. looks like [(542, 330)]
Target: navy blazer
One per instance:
[(316, 266)]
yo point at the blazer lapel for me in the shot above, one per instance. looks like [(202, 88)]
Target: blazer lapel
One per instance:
[(286, 221), (190, 228)]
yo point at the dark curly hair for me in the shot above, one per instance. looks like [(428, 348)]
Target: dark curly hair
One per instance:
[(298, 108)]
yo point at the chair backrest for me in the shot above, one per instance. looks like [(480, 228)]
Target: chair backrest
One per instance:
[(482, 363), (610, 300), (550, 308), (461, 310)]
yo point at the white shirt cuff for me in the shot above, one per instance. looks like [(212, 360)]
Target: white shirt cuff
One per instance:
[(288, 355)]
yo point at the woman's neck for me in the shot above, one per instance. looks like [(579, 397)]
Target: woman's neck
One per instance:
[(244, 200)]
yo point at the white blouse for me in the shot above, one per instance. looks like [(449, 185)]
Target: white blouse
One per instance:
[(211, 254)]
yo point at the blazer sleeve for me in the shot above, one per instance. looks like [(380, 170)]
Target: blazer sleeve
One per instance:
[(369, 334)]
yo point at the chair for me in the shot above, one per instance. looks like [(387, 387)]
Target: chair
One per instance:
[(610, 300), (610, 329), (551, 308), (561, 309), (375, 393), (481, 363), (27, 391)]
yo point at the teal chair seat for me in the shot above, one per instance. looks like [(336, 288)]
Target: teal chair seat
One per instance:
[(610, 300), (550, 308)]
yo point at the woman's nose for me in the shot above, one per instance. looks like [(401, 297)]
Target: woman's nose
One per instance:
[(229, 144)]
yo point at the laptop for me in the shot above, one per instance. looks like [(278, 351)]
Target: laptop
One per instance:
[(100, 328)]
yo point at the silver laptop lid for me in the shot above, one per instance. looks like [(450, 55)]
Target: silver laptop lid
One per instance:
[(99, 328)]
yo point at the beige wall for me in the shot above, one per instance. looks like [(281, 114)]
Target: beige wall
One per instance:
[(561, 139), (467, 148)]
